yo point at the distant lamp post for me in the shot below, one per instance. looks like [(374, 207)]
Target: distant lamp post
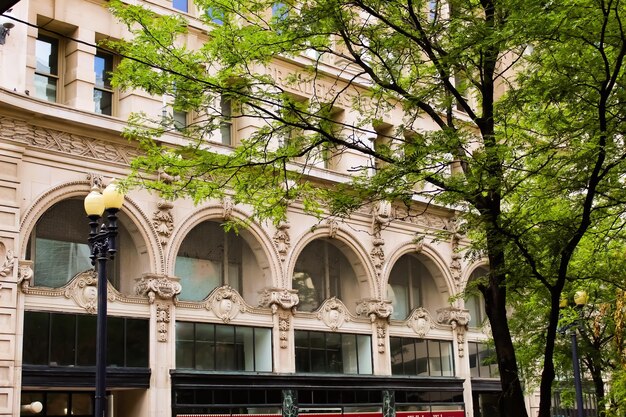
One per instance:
[(102, 246), (580, 299)]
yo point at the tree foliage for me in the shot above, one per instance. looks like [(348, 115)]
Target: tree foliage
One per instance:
[(510, 109)]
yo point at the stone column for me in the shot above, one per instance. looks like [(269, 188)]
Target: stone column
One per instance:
[(10, 315), (161, 291)]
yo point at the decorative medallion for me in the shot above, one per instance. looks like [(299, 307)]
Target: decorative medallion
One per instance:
[(333, 313), (163, 221), (83, 289), (154, 285), (279, 297), (420, 321), (225, 303), (374, 309), (163, 320), (284, 322), (282, 240)]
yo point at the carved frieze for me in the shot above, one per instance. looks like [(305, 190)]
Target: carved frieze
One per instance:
[(163, 221), (419, 217), (163, 320), (374, 309), (226, 303), (282, 240), (333, 313), (153, 285), (279, 297), (65, 142), (420, 321), (83, 289)]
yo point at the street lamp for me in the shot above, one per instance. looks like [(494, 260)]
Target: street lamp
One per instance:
[(102, 248), (580, 299)]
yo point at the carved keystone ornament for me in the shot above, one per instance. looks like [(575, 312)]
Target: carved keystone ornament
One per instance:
[(420, 321), (333, 313), (226, 303)]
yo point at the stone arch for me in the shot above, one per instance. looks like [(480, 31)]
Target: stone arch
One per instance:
[(352, 250), (131, 216), (254, 235), (432, 260)]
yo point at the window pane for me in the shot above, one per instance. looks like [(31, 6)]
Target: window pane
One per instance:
[(81, 404), (184, 345), (334, 358), (364, 343), (46, 88), (396, 351), (422, 357), (115, 341), (205, 346), (103, 102), (63, 338), (225, 347), (263, 349), (473, 359), (180, 5), (447, 362), (57, 404), (56, 262), (301, 342), (36, 338), (47, 55), (103, 66), (198, 276), (137, 343), (86, 342)]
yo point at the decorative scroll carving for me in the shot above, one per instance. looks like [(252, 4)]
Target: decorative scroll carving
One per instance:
[(282, 240), (374, 309), (333, 313), (381, 216), (154, 285), (227, 208), (284, 323), (163, 320), (225, 303), (333, 228), (83, 289), (459, 320), (25, 273), (279, 297), (454, 227), (420, 321), (65, 142), (163, 221), (381, 332), (8, 263)]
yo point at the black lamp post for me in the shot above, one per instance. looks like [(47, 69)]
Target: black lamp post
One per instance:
[(102, 246), (580, 299)]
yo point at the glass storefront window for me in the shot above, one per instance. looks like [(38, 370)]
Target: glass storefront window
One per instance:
[(336, 353), (410, 356)]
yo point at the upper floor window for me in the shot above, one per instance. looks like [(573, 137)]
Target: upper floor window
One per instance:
[(410, 356), (475, 302), (323, 271), (482, 358), (58, 339), (103, 91), (209, 257), (226, 125), (182, 5), (341, 353), (47, 68), (412, 285), (206, 346)]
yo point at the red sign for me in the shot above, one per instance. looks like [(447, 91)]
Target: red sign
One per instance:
[(436, 413)]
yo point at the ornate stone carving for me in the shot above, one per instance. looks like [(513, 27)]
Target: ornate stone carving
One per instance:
[(6, 269), (419, 217), (454, 228), (284, 323), (333, 228), (420, 321), (69, 143), (378, 255), (163, 221), (279, 297), (25, 273), (83, 289), (381, 216), (282, 240), (374, 309), (227, 208), (333, 313), (226, 303), (381, 332), (459, 320), (95, 180), (163, 320), (153, 285)]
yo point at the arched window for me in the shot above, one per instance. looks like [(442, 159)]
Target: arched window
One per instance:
[(323, 271), (59, 248), (474, 301), (209, 257), (411, 285)]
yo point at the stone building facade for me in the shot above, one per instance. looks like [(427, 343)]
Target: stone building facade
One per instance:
[(322, 318)]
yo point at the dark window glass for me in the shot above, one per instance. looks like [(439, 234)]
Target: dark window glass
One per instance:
[(36, 328), (47, 68), (483, 363), (103, 91), (411, 356), (208, 346), (332, 352), (70, 340)]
